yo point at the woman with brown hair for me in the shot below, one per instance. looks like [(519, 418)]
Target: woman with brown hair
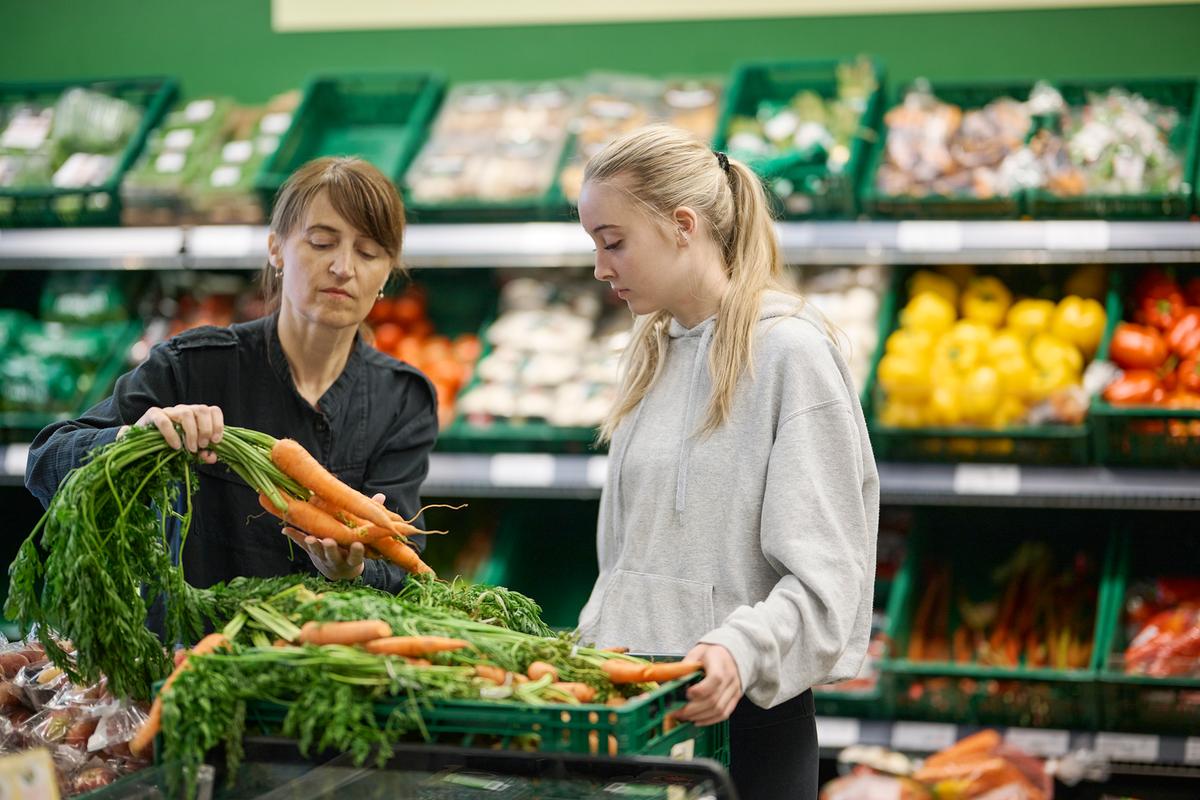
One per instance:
[(304, 372)]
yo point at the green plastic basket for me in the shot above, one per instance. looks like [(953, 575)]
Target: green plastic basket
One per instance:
[(1141, 702), (1035, 444), (49, 207), (1144, 436), (1182, 94), (637, 728), (380, 117), (756, 81), (968, 97), (971, 693)]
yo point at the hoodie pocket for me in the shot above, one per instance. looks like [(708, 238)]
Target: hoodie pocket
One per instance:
[(654, 614)]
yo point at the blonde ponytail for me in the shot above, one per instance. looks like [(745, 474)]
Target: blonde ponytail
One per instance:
[(664, 169)]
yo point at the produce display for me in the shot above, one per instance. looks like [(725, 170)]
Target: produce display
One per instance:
[(850, 299), (84, 727), (199, 166), (48, 365), (551, 356), (1158, 348), (403, 329), (968, 353), (614, 105), (493, 142), (1163, 620), (981, 765), (72, 141)]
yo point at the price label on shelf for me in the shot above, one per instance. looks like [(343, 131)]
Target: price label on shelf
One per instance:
[(939, 237), (597, 471), (923, 737), (988, 479), (1077, 235), (1138, 747), (838, 731), (522, 469), (227, 241), (1039, 742), (1191, 750), (15, 456)]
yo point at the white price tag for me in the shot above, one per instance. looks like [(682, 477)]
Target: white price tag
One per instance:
[(923, 737), (993, 479), (1138, 747), (27, 131), (1191, 750), (227, 241), (275, 124), (237, 152), (199, 110), (939, 237), (15, 456), (522, 469), (170, 163), (684, 751), (1039, 742), (179, 139), (838, 731), (1077, 235), (597, 471), (226, 176)]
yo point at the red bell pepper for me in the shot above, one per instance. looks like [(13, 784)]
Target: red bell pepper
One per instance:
[(1135, 387), (1184, 336), (1161, 311), (1137, 347), (1189, 374)]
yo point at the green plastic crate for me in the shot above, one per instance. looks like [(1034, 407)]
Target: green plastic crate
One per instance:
[(635, 728), (968, 97), (1182, 94), (1140, 436), (380, 117), (50, 207), (780, 80), (1040, 444), (972, 693), (1140, 702)]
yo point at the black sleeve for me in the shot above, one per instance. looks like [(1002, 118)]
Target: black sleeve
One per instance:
[(397, 468), (61, 447)]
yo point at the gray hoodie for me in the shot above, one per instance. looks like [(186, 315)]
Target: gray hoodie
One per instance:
[(759, 537)]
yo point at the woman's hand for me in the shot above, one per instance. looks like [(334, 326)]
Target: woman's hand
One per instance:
[(202, 426), (331, 559), (713, 699)]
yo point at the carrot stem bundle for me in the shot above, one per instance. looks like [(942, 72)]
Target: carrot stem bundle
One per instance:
[(141, 742)]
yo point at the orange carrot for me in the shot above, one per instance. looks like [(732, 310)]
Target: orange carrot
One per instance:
[(418, 662), (371, 532), (977, 745), (297, 463), (356, 632), (491, 673), (312, 520), (622, 671), (414, 645), (141, 742), (621, 650), (616, 701), (539, 668), (401, 555), (580, 691)]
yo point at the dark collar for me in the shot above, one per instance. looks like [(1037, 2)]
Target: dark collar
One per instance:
[(337, 395)]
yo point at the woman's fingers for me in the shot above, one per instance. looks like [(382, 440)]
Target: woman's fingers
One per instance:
[(165, 425), (204, 426)]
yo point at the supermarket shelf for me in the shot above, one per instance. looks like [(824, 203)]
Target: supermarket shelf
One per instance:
[(554, 244), (835, 733), (582, 477)]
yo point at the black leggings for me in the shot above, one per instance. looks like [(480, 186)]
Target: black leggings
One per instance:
[(773, 752)]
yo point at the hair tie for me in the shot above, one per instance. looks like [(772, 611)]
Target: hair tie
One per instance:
[(723, 160)]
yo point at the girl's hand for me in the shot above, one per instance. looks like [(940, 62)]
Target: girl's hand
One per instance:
[(202, 426), (713, 699), (331, 559)]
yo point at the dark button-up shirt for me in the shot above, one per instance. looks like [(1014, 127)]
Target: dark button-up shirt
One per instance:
[(373, 428)]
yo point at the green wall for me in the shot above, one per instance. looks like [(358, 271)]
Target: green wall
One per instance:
[(227, 46)]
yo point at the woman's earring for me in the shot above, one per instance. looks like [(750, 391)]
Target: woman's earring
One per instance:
[(380, 295), (279, 274)]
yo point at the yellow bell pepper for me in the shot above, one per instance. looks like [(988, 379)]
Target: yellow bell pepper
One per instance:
[(1010, 411), (1080, 322), (1028, 317), (1089, 280), (1006, 344), (905, 377), (913, 342), (900, 414), (966, 330), (926, 281), (1048, 380), (986, 300), (944, 406), (1047, 352), (956, 357), (1016, 375), (928, 312), (981, 394)]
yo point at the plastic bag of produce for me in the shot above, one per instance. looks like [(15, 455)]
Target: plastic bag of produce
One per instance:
[(116, 728), (92, 775), (873, 786), (40, 683)]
